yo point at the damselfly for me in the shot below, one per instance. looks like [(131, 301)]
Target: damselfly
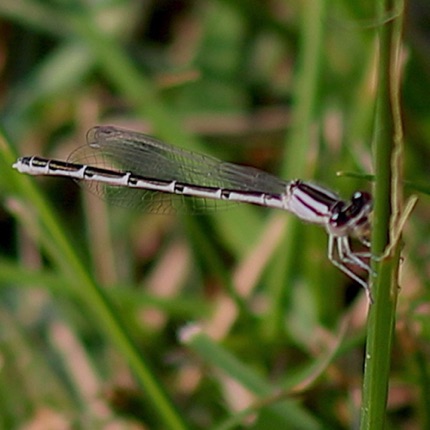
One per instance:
[(132, 169)]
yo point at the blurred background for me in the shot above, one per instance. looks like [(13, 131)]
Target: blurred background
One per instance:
[(96, 301)]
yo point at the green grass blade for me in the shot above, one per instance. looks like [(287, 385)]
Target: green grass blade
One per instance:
[(53, 238), (284, 267), (291, 413), (387, 208)]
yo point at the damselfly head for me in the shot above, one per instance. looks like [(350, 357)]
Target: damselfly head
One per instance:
[(351, 217)]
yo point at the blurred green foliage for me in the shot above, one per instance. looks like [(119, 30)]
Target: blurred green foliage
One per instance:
[(92, 297)]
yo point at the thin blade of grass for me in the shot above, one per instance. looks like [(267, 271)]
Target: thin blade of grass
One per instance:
[(387, 211), (54, 240)]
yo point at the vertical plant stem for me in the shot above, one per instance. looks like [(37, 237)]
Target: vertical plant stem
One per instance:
[(387, 208)]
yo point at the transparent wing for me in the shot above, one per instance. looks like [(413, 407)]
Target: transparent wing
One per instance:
[(128, 151)]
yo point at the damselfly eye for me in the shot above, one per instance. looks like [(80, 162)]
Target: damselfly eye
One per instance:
[(361, 198), (339, 217), (359, 201)]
